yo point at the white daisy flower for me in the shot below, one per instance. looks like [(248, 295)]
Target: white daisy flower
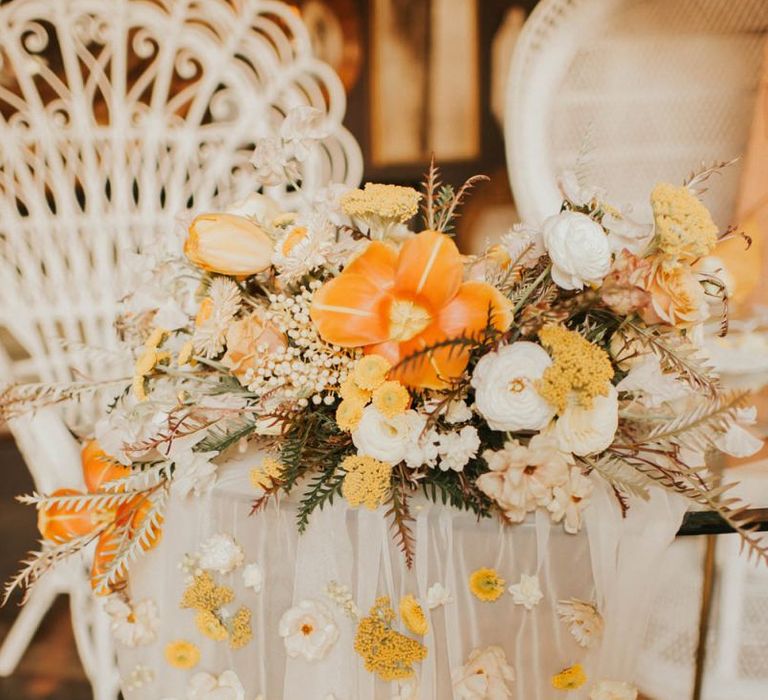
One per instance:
[(584, 622), (217, 311)]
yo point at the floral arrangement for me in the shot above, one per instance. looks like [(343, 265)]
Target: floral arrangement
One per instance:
[(370, 360)]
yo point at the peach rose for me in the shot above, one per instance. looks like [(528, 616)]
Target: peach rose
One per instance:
[(247, 339), (677, 297)]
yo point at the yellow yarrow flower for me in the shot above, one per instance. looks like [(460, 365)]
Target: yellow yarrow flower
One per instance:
[(348, 414), (386, 202), (685, 230), (204, 594), (350, 391), (579, 366), (182, 654), (391, 398), (210, 626), (486, 584), (370, 372), (387, 653), (367, 481), (570, 678), (241, 632), (413, 615)]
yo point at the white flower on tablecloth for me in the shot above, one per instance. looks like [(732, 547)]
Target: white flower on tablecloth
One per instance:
[(524, 245), (584, 622), (387, 439), (737, 441), (585, 431), (484, 677), (195, 473), (132, 624), (405, 690), (253, 577), (570, 499), (437, 595), (308, 630), (302, 127), (205, 686), (220, 553), (522, 477), (264, 210), (527, 592), (613, 690), (139, 677), (457, 448), (579, 250), (222, 302), (654, 387), (505, 394)]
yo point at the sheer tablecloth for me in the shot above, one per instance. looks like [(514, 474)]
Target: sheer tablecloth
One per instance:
[(613, 562)]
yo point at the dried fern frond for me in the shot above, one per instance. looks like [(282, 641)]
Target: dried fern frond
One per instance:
[(401, 516), (696, 178), (446, 210), (432, 183), (322, 489), (38, 563), (622, 476), (145, 478), (79, 501)]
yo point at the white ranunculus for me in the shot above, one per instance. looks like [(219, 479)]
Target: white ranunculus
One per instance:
[(504, 387), (579, 250), (221, 553), (387, 439), (584, 431), (737, 441), (484, 676), (308, 630), (205, 686), (613, 690)]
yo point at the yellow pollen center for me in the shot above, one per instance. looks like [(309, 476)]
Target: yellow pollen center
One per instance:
[(307, 629), (406, 320), (517, 385)]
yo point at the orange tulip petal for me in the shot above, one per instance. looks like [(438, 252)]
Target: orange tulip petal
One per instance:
[(99, 468), (469, 312), (389, 350), (351, 311), (60, 524), (429, 268), (435, 370), (377, 263)]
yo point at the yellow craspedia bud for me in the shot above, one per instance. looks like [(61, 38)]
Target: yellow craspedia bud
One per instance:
[(228, 244), (371, 371), (182, 654), (391, 398)]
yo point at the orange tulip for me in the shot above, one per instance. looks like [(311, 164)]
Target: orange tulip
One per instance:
[(61, 523), (394, 304)]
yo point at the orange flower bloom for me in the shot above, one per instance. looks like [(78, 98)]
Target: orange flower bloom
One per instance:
[(61, 523), (395, 304)]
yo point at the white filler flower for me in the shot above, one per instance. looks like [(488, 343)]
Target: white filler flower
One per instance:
[(579, 249), (308, 630)]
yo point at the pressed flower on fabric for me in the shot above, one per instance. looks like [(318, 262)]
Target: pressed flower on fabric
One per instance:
[(412, 615), (526, 593), (437, 595), (205, 686), (132, 624), (584, 622), (221, 553), (182, 654), (240, 632), (485, 676), (613, 690), (570, 678), (486, 584), (253, 577), (386, 652), (308, 630), (204, 594)]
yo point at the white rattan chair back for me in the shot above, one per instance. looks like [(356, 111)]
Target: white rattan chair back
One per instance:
[(115, 117), (629, 92)]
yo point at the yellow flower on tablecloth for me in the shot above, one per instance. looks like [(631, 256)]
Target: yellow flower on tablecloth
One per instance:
[(413, 615), (387, 653), (486, 584), (391, 398), (204, 594), (350, 391), (370, 371), (241, 632), (569, 678), (367, 481), (182, 654), (579, 366), (348, 414), (210, 626), (684, 227)]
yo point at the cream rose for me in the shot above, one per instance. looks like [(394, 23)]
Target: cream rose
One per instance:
[(387, 439), (677, 297), (584, 431), (484, 676), (504, 387), (579, 249)]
